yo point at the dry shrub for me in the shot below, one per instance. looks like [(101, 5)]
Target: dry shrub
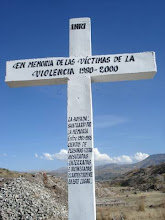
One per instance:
[(103, 214), (98, 217), (100, 213), (123, 216), (149, 215), (163, 215), (45, 178), (109, 213), (141, 206), (163, 204), (163, 210)]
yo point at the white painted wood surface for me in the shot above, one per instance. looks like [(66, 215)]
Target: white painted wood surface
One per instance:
[(80, 37), (81, 177), (103, 68)]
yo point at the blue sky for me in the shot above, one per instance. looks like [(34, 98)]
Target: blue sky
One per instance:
[(128, 116)]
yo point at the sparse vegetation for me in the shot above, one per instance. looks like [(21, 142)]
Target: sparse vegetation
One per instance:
[(141, 206), (45, 178), (141, 197), (137, 195)]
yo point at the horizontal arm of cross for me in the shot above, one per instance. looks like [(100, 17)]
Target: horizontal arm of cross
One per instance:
[(103, 68)]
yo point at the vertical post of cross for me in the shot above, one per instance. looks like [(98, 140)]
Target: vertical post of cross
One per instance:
[(81, 178)]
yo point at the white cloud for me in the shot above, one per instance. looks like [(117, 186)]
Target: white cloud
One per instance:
[(37, 156), (104, 121), (48, 156), (105, 158), (99, 157), (140, 156), (62, 155)]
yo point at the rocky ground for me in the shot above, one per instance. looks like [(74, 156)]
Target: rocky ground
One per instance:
[(33, 198)]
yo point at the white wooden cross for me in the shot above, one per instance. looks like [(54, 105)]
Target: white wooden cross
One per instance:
[(78, 71)]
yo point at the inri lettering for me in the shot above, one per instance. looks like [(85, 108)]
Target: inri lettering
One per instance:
[(78, 26)]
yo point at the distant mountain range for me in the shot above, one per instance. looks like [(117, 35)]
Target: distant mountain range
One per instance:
[(109, 171), (152, 160)]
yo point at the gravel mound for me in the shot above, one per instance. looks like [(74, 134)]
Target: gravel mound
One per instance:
[(22, 199)]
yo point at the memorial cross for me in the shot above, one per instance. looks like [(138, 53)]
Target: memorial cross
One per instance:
[(78, 71)]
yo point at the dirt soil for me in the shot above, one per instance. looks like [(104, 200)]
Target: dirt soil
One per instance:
[(120, 203)]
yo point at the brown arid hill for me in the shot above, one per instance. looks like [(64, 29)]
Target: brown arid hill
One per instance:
[(152, 160), (150, 178), (7, 175)]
